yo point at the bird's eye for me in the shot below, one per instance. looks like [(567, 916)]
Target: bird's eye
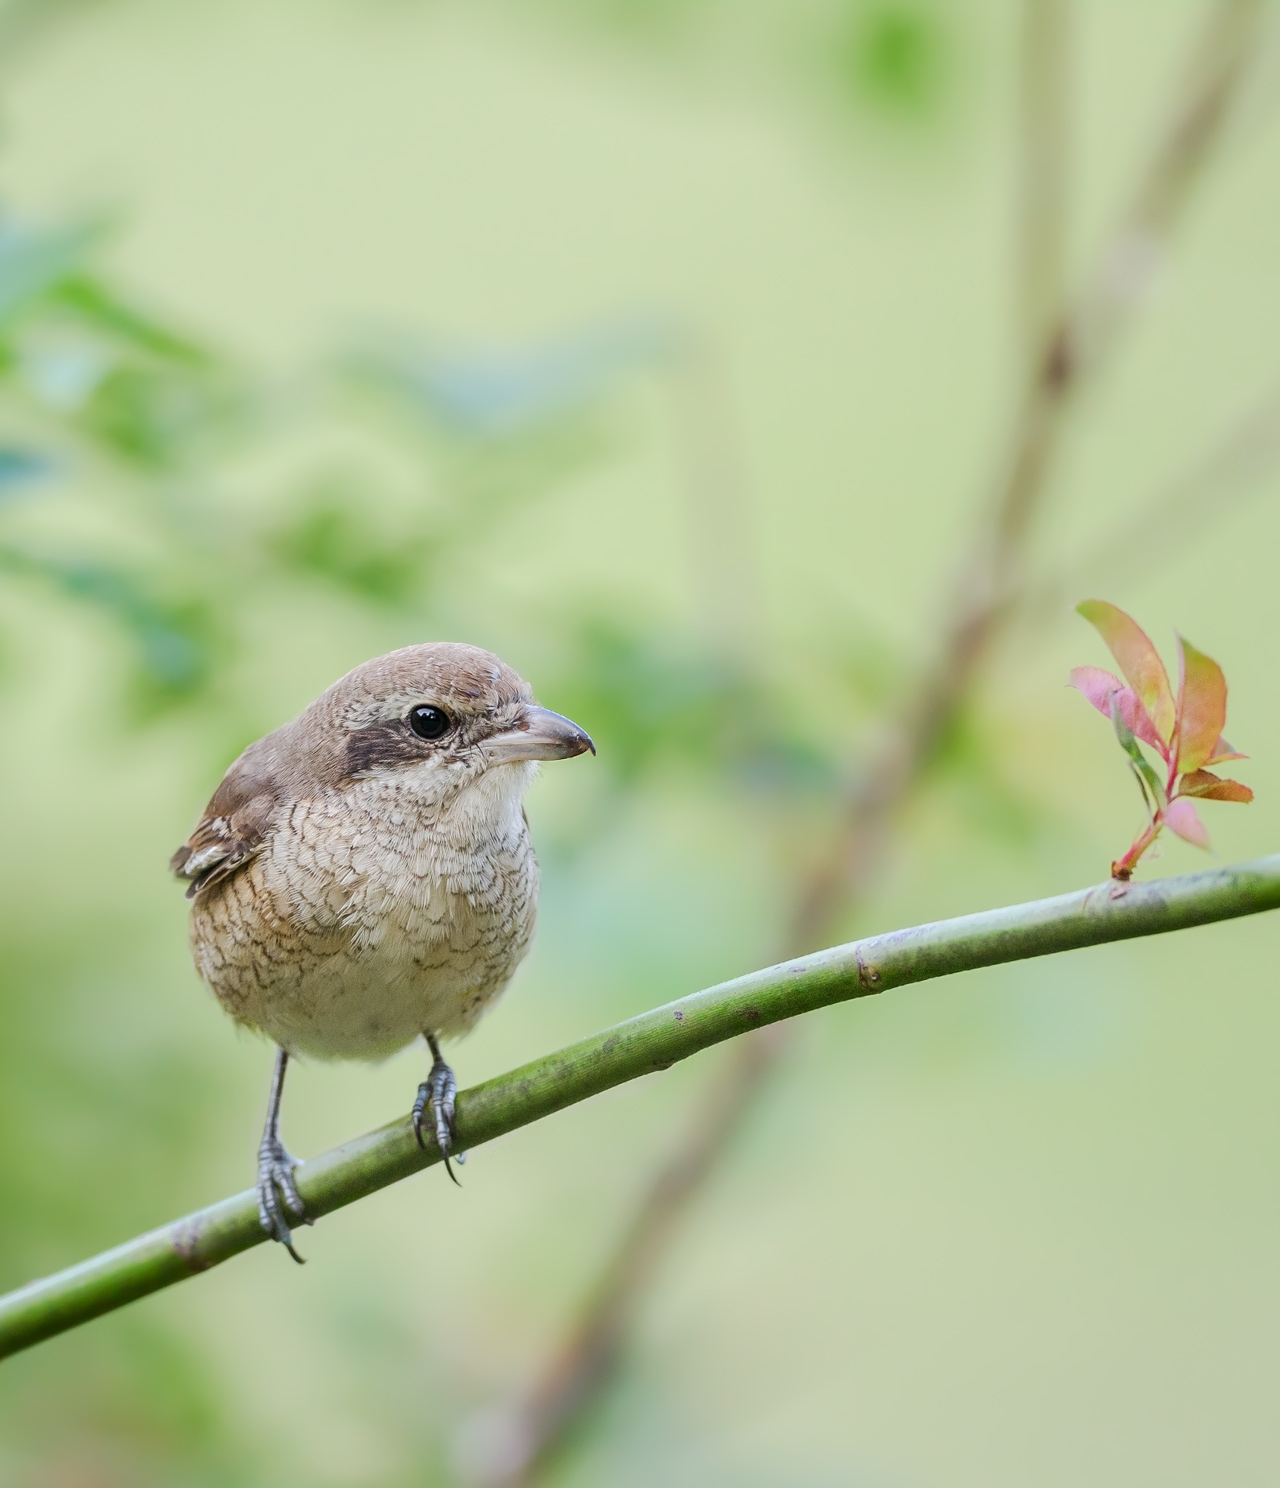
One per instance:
[(428, 722)]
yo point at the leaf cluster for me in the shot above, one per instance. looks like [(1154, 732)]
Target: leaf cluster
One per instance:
[(1184, 730)]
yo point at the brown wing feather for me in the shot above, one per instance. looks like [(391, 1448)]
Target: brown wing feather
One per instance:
[(235, 823)]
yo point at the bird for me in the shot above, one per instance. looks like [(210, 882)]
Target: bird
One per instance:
[(364, 876)]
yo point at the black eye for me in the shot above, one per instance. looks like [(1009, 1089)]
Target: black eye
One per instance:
[(428, 722)]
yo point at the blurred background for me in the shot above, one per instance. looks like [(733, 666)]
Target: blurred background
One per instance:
[(678, 351)]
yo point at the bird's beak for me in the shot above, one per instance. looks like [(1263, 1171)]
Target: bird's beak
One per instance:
[(539, 734)]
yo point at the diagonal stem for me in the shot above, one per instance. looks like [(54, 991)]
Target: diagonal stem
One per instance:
[(653, 1041)]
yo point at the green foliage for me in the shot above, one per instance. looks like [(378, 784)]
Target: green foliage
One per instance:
[(653, 699), (175, 640), (895, 57), (95, 371), (103, 399), (332, 540)]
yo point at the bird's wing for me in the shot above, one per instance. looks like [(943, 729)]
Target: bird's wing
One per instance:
[(235, 823)]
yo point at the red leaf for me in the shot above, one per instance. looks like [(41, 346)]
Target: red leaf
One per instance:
[(1098, 686), (1138, 659), (1180, 817), (1202, 706), (1206, 786)]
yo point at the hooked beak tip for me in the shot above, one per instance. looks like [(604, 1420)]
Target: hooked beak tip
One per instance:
[(540, 735)]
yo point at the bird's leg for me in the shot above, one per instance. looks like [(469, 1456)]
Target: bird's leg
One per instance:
[(278, 1194), (439, 1088)]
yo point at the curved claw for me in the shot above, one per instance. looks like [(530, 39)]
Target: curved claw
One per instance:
[(278, 1195), (439, 1090)]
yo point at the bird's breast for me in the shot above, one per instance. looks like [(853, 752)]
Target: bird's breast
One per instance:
[(367, 920), (394, 871)]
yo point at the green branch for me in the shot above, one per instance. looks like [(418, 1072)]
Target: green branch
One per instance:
[(653, 1041)]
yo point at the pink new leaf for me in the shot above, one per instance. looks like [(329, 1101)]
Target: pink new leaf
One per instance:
[(1202, 707), (1099, 685), (1138, 659), (1180, 817)]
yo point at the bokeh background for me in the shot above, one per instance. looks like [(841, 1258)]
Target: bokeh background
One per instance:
[(670, 348)]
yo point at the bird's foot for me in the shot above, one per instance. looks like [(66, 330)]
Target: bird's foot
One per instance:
[(278, 1196), (439, 1090)]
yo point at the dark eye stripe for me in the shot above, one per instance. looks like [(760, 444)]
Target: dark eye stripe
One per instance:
[(381, 746)]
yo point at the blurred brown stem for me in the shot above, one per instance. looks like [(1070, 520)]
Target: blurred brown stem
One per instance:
[(1072, 344), (23, 23), (588, 1356), (1232, 470), (1042, 162)]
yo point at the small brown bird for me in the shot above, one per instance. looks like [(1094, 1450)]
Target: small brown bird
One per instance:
[(364, 875)]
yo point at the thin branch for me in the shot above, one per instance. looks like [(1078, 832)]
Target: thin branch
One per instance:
[(1233, 470), (653, 1041), (1074, 343)]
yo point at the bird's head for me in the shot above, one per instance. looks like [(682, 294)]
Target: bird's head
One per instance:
[(452, 724), (439, 717)]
